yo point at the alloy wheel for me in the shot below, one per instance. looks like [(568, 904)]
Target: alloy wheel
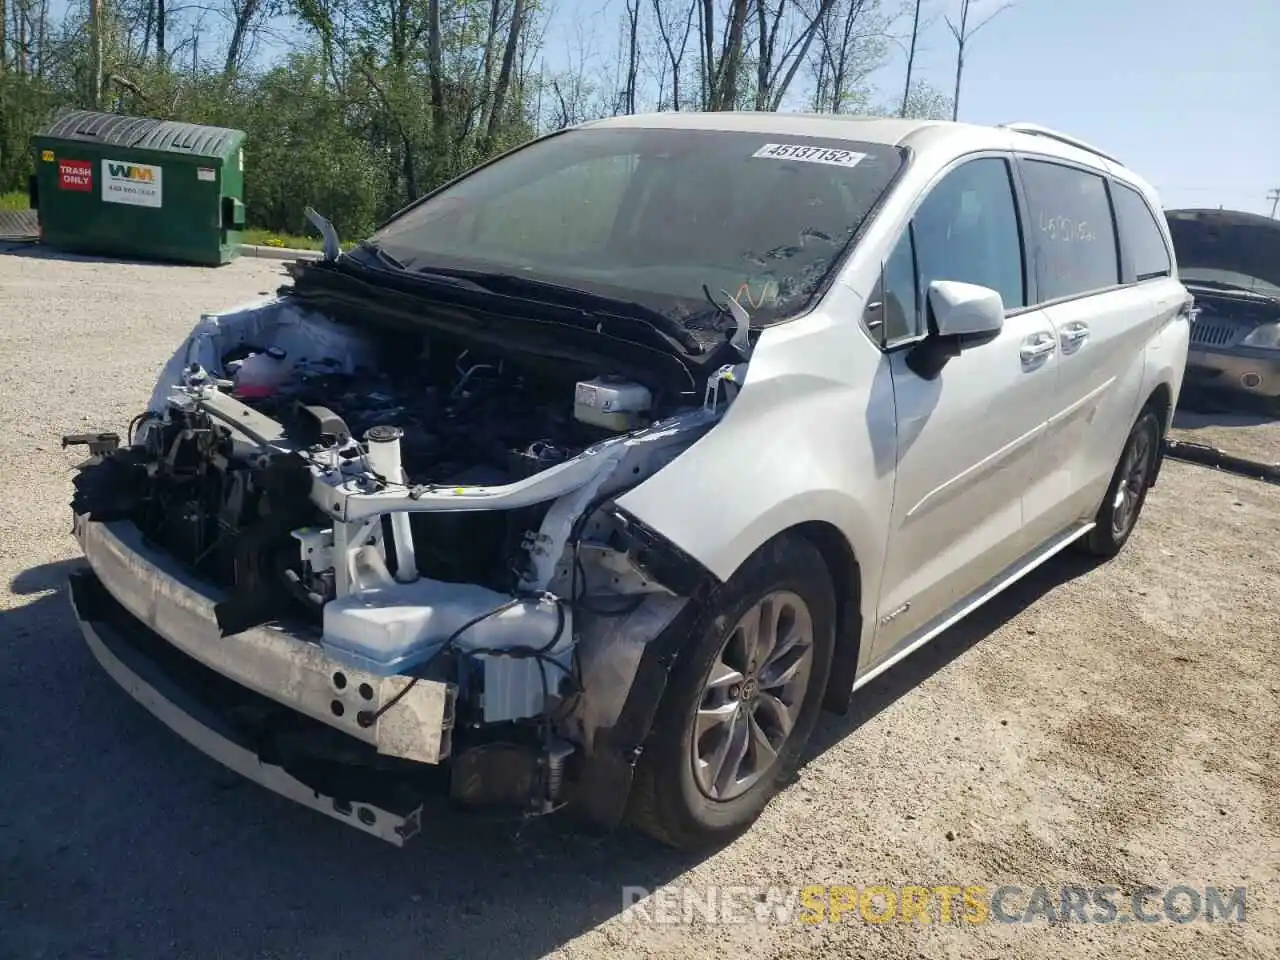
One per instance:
[(1133, 481), (752, 696)]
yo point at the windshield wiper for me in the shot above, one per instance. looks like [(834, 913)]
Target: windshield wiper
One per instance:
[(494, 281), (387, 260), (1231, 287)]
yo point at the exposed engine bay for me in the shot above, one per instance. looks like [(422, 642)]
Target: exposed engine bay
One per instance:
[(426, 509), (458, 421)]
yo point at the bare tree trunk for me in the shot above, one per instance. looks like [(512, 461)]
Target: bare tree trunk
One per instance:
[(147, 27), (244, 14), (707, 32), (911, 58), (962, 34), (633, 30), (20, 42), (490, 43), (955, 97), (763, 53), (796, 53), (504, 73), (95, 39), (435, 68), (674, 55), (42, 40), (4, 37), (162, 17), (724, 90)]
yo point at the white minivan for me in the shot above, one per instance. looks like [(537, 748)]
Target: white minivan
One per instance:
[(591, 477)]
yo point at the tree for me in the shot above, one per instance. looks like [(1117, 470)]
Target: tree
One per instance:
[(911, 55), (674, 27), (924, 102), (850, 47), (963, 33)]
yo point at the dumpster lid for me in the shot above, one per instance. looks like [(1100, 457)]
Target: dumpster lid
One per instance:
[(142, 133)]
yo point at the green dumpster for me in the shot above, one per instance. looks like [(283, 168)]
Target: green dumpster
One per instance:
[(137, 187)]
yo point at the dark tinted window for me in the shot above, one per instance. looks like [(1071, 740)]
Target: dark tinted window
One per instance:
[(1073, 241), (967, 230), (657, 216), (900, 291), (1140, 234)]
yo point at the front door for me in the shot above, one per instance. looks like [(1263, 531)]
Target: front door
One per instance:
[(967, 440)]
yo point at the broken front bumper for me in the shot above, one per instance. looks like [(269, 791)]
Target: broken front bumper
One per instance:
[(1242, 369), (152, 627)]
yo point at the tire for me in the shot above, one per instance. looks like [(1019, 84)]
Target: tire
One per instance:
[(676, 798), (1134, 474)]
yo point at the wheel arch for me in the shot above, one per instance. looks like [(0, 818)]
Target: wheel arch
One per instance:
[(846, 581), (1160, 401)]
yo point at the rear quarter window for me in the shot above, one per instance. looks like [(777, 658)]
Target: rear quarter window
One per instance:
[(1140, 235), (1071, 234)]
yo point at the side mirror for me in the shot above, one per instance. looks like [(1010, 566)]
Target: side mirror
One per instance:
[(965, 309), (962, 315)]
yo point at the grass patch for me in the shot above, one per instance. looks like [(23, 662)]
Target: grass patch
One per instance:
[(270, 238), (13, 201)]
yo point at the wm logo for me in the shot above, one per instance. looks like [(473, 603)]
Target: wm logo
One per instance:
[(125, 171)]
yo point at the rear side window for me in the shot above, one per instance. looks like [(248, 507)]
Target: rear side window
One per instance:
[(1143, 242), (1072, 236)]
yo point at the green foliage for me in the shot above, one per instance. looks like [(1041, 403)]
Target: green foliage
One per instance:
[(373, 104), (13, 201), (24, 107), (271, 238)]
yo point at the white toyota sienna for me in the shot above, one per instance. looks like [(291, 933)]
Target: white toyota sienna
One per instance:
[(593, 476)]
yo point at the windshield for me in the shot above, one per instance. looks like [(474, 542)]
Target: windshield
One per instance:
[(655, 216)]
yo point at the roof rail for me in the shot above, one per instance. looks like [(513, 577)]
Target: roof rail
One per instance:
[(1036, 130)]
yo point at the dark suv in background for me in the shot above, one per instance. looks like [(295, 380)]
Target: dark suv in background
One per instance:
[(1230, 261)]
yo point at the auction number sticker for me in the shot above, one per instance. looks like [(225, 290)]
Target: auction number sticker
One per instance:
[(810, 154)]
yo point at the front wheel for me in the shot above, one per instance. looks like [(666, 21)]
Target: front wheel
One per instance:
[(742, 701), (1127, 493)]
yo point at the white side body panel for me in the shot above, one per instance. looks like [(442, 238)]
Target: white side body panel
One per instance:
[(813, 435), (817, 433), (810, 437)]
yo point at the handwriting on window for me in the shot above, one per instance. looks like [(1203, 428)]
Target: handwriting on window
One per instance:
[(1066, 229)]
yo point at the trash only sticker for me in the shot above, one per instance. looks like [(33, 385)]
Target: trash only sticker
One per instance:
[(75, 175), (799, 151), (134, 183), (206, 173)]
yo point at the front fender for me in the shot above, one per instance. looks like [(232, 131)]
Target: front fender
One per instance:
[(811, 437)]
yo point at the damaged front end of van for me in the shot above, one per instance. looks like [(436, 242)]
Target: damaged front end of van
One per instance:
[(361, 559)]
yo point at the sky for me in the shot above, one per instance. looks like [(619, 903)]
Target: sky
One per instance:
[(1186, 93)]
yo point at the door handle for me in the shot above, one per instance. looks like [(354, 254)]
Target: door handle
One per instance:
[(1037, 347), (1073, 336)]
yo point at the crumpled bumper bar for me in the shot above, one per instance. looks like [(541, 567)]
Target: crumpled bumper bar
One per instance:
[(269, 660), (181, 694), (152, 628)]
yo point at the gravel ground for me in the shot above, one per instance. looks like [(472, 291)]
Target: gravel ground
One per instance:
[(1109, 725), (1255, 436)]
